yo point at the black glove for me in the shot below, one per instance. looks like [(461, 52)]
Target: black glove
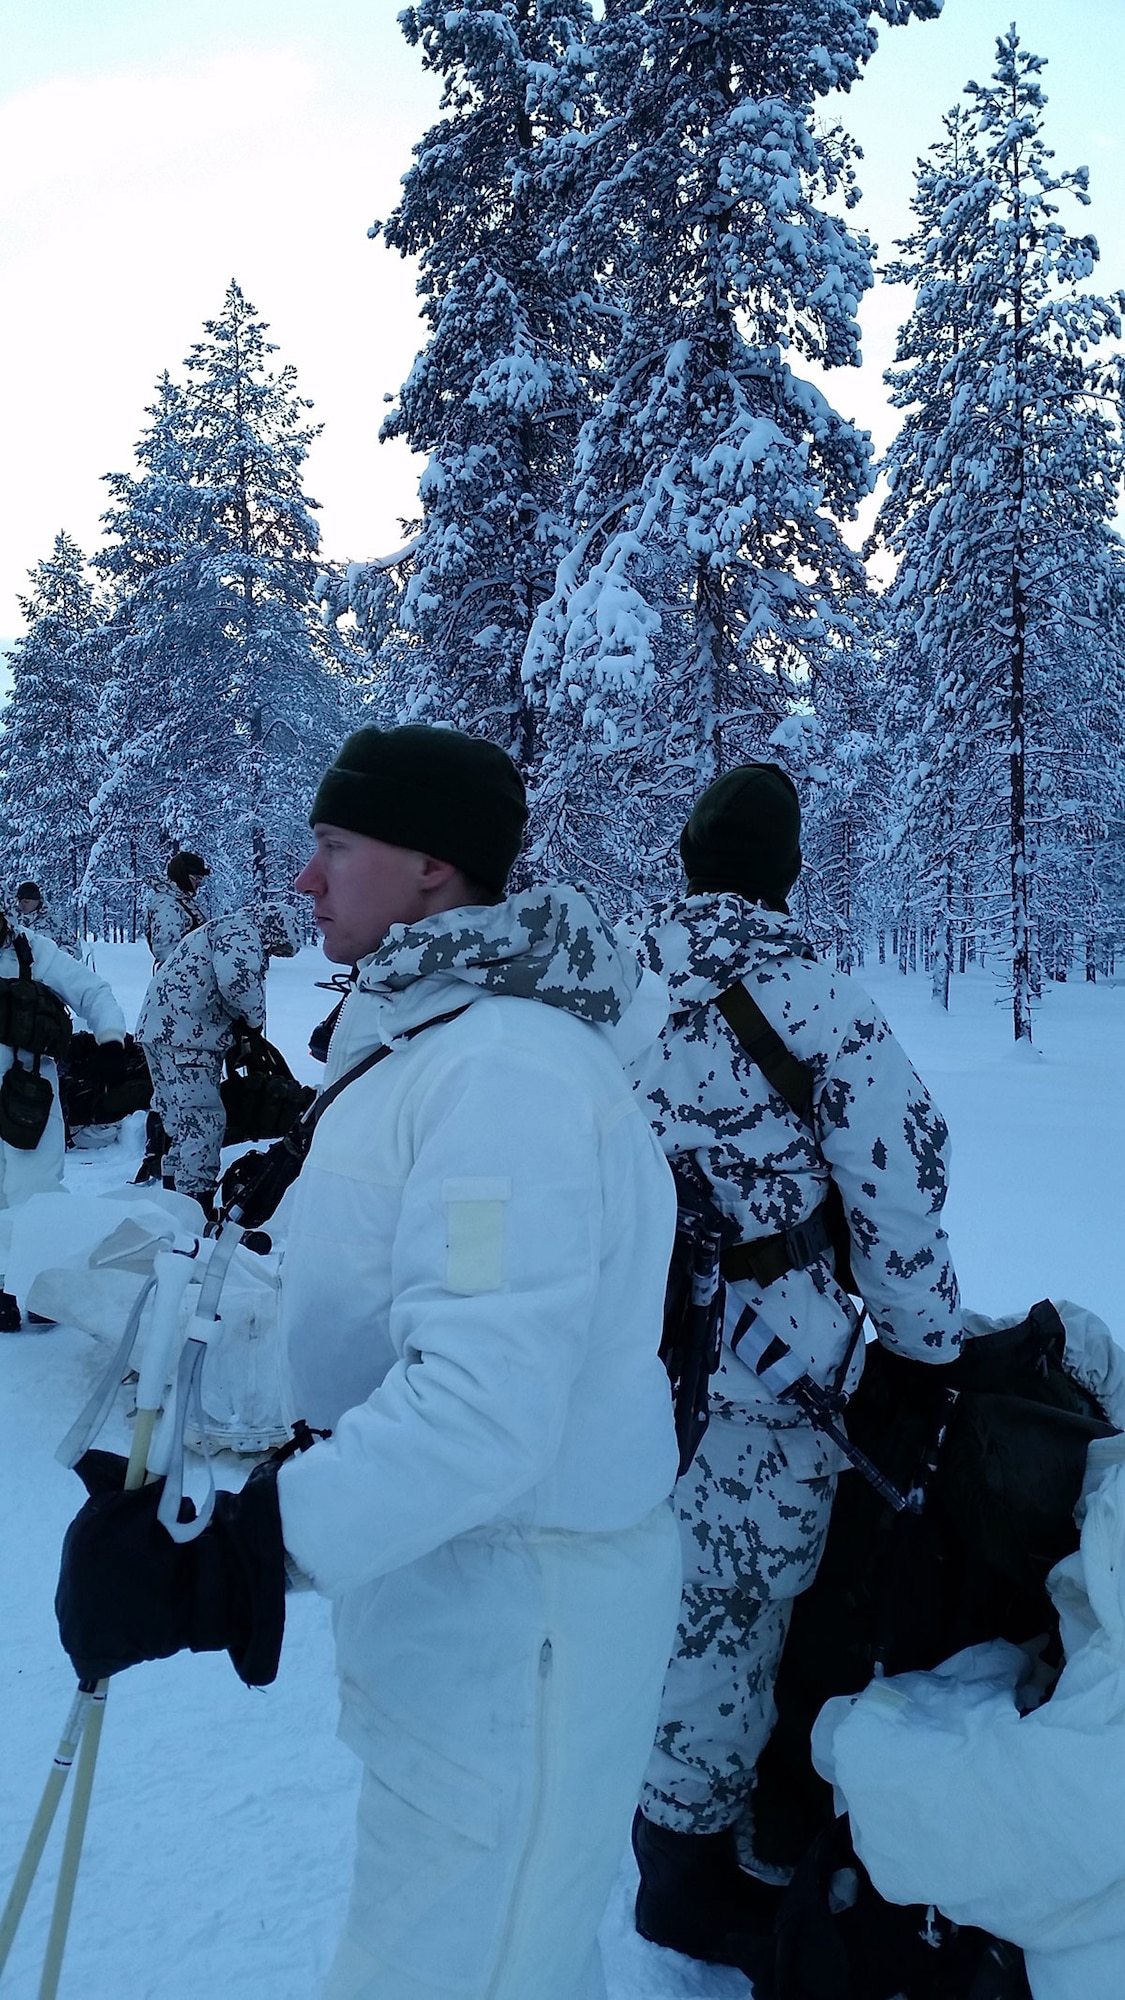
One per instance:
[(128, 1592), (107, 1065)]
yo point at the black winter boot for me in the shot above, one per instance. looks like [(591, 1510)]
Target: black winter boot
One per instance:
[(694, 1897)]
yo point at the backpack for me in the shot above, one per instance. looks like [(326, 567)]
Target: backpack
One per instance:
[(991, 1448), (100, 1087)]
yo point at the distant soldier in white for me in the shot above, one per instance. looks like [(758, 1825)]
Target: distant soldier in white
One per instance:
[(173, 913), (758, 1023), (35, 975), (203, 992), (33, 916)]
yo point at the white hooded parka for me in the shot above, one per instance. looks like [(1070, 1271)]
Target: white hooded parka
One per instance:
[(472, 1297)]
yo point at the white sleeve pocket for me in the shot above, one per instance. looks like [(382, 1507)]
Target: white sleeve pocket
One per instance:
[(474, 1233)]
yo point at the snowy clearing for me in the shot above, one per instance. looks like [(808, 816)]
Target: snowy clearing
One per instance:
[(217, 1857)]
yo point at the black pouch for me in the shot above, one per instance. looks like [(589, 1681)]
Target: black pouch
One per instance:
[(25, 1106), (261, 1104)]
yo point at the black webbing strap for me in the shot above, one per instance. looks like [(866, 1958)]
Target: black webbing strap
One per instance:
[(791, 1079), (769, 1258), (24, 954), (307, 1124), (825, 1231)]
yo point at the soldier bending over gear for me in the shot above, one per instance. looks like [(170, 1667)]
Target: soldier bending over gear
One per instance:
[(755, 1503), (212, 982)]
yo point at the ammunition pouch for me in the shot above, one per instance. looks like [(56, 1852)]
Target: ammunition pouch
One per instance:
[(25, 1105), (32, 1018)]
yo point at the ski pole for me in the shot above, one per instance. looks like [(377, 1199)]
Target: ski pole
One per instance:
[(74, 1444), (172, 1271), (41, 1825)]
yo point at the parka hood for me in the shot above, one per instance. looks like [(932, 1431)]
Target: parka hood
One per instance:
[(547, 944), (701, 945)]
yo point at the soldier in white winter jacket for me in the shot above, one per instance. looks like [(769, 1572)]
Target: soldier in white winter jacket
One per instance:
[(755, 1503), (472, 1294), (40, 1168), (214, 980)]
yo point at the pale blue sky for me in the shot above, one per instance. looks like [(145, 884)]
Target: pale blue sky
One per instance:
[(149, 152)]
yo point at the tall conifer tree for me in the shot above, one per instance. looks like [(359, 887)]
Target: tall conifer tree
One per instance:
[(496, 397), (51, 760), (1003, 484), (709, 580), (229, 693)]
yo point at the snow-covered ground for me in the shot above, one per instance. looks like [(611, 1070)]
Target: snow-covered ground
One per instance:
[(217, 1856)]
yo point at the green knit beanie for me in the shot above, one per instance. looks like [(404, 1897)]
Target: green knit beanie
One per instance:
[(459, 798), (744, 834)]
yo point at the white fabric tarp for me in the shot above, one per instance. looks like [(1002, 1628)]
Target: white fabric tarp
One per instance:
[(110, 1243), (1009, 1821)]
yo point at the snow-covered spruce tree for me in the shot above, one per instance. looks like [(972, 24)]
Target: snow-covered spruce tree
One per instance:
[(1003, 484), (835, 757), (496, 397), (708, 574), (50, 756), (229, 693)]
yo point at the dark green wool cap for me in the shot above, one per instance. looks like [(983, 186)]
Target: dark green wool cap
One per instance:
[(459, 798), (744, 833)]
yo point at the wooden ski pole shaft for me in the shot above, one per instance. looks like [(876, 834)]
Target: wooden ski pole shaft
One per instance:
[(175, 1270), (44, 1819)]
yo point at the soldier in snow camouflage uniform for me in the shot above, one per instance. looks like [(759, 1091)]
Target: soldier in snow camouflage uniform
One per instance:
[(33, 917), (213, 980), (173, 910), (754, 1505)]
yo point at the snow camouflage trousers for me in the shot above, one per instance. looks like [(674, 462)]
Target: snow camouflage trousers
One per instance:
[(186, 1094), (753, 1511)]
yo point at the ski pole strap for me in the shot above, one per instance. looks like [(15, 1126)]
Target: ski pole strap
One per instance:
[(765, 1259), (189, 1404), (86, 1426)]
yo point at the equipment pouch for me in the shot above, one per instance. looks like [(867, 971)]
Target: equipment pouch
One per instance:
[(33, 1018), (25, 1106)]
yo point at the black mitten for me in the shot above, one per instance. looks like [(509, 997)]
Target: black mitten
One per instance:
[(127, 1592), (108, 1065)]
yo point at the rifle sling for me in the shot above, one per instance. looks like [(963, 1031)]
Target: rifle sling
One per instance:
[(306, 1125), (823, 1233)]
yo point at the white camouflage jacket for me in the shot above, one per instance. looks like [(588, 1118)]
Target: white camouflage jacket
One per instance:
[(172, 914), (214, 977), (474, 1273), (876, 1130)]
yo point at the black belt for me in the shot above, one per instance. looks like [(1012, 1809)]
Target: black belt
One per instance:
[(769, 1258)]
